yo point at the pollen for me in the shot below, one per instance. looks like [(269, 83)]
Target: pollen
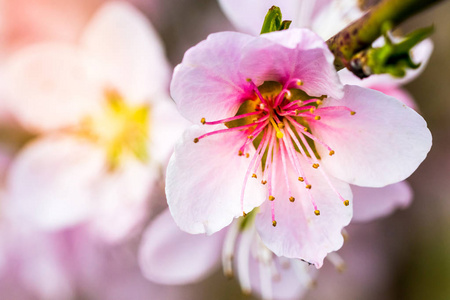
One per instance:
[(317, 118), (301, 179), (331, 152), (308, 186), (317, 212), (292, 199), (274, 223), (247, 155), (271, 198), (254, 175), (203, 121), (353, 113), (240, 151), (319, 102), (196, 140), (315, 166), (346, 203), (263, 181)]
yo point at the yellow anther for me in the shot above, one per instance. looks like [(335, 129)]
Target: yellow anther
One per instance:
[(240, 152), (280, 135), (299, 82), (301, 179), (315, 166), (247, 155), (250, 137), (353, 113), (292, 199), (317, 212), (305, 129), (274, 223), (244, 214), (311, 110), (319, 102), (308, 186), (297, 111), (281, 125), (271, 198), (263, 181), (203, 121), (254, 176), (196, 140), (317, 118), (331, 152), (346, 203)]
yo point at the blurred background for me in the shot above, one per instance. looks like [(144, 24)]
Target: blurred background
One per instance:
[(403, 256)]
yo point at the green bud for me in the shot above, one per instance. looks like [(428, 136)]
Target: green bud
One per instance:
[(392, 58), (274, 21)]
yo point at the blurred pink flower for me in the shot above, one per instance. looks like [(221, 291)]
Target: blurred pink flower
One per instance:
[(170, 256), (104, 121), (382, 143)]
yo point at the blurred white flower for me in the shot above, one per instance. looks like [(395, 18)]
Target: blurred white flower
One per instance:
[(104, 121)]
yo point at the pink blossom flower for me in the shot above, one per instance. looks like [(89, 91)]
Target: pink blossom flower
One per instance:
[(104, 121), (327, 18), (262, 115)]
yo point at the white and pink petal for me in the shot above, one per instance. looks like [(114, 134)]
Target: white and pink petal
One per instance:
[(50, 182), (383, 143), (205, 179), (299, 232), (130, 51), (287, 55), (168, 255), (209, 83), (373, 203)]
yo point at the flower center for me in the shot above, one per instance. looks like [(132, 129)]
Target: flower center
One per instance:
[(276, 123), (121, 130)]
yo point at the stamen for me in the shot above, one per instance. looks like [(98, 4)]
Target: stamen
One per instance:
[(254, 176), (203, 121), (315, 166), (283, 160), (223, 131), (279, 133), (274, 223), (252, 162), (337, 261), (292, 199), (228, 249), (243, 262), (271, 198), (317, 212)]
